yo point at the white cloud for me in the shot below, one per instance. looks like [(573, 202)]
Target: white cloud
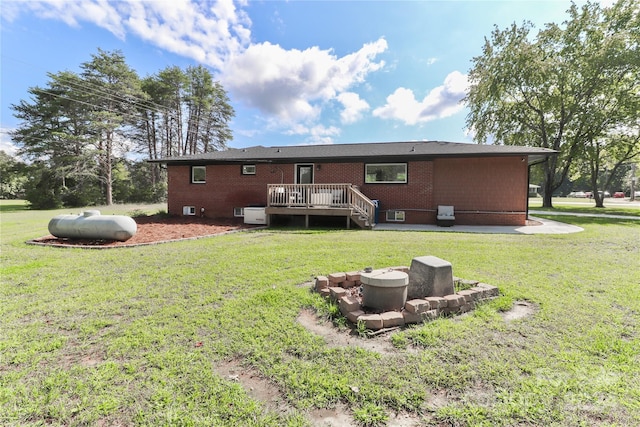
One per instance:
[(293, 84), (442, 101), (290, 86), (354, 107), (6, 144), (208, 32), (318, 134)]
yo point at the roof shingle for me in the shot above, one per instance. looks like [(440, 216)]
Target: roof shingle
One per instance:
[(379, 151)]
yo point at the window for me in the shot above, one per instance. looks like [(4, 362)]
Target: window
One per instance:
[(198, 174), (385, 173), (238, 212), (395, 216), (248, 169)]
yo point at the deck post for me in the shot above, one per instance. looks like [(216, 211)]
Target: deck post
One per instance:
[(348, 223), (306, 221)]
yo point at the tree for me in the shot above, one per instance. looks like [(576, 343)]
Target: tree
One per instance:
[(187, 113), (543, 91), (115, 93), (612, 136), (54, 134), (208, 113), (12, 177), (82, 126)]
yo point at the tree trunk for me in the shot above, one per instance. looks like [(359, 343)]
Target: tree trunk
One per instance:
[(547, 185), (108, 163)]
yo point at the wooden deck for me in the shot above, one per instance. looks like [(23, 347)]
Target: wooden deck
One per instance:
[(321, 200)]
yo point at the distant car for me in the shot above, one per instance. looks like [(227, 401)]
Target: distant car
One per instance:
[(579, 194), (588, 194), (604, 193), (618, 195)]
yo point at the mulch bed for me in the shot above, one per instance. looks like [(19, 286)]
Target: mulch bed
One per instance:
[(154, 229)]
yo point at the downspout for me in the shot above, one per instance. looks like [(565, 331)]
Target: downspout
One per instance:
[(526, 216)]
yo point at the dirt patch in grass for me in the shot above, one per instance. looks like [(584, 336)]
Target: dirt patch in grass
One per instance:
[(265, 391), (520, 310), (344, 337), (155, 229)]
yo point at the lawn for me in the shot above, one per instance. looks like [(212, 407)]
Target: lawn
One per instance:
[(138, 336)]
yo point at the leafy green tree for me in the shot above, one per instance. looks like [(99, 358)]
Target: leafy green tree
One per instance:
[(209, 112), (115, 96), (54, 133), (82, 127), (43, 189), (566, 89), (133, 183), (187, 113), (12, 177)]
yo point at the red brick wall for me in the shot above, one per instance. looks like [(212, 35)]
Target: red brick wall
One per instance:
[(483, 190), (491, 191), (225, 188)]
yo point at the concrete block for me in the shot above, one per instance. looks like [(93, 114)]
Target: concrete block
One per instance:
[(337, 292), (430, 276), (371, 321), (322, 282), (353, 316), (480, 292), (336, 278), (391, 319), (467, 294), (353, 276), (348, 304), (412, 317), (437, 302), (489, 290), (348, 284), (454, 300), (431, 314), (466, 307), (476, 294), (325, 293), (417, 306)]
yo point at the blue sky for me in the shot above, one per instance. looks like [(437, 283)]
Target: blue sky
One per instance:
[(296, 72)]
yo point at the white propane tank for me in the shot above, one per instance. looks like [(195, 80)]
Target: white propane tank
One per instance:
[(92, 225)]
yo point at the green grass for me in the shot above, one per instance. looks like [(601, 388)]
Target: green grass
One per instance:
[(132, 336), (13, 205), (587, 206)]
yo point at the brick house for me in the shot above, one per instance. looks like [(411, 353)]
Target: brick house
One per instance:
[(364, 183)]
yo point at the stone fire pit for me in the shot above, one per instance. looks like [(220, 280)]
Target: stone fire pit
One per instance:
[(396, 296)]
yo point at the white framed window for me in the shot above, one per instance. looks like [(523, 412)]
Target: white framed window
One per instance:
[(385, 173), (248, 169), (395, 216), (188, 210), (238, 212), (198, 174)]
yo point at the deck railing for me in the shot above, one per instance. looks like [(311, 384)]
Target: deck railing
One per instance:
[(320, 196)]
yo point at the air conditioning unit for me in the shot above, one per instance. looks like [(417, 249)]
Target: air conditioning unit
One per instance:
[(188, 210)]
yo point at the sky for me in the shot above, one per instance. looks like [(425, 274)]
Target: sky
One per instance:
[(296, 72)]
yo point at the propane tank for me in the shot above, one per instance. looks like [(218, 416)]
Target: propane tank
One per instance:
[(91, 225)]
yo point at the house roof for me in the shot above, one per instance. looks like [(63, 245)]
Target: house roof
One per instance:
[(378, 151)]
